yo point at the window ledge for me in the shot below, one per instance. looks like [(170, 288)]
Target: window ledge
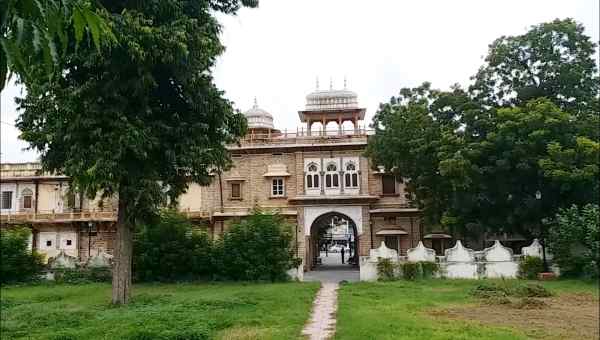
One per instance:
[(389, 195), (277, 197), (236, 199)]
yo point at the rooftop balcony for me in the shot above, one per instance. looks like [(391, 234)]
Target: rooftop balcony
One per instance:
[(301, 137)]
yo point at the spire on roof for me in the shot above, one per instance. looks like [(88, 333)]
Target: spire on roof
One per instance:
[(255, 103), (317, 83), (345, 83), (331, 83)]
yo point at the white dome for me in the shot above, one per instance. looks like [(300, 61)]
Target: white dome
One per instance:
[(331, 100), (258, 118)]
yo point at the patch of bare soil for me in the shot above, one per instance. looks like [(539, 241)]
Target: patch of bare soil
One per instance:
[(567, 316)]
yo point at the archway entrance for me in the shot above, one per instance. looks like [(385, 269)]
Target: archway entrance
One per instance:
[(333, 243)]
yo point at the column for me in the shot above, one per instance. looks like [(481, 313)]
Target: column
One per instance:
[(360, 186), (342, 180), (340, 126), (322, 175)]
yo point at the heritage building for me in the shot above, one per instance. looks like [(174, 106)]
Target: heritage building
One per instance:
[(313, 176)]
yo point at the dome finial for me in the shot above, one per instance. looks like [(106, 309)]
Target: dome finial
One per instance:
[(317, 83), (331, 83), (255, 103), (345, 83)]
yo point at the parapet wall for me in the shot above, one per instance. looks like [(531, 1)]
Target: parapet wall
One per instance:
[(457, 262)]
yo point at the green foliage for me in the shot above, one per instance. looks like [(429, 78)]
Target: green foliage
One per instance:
[(171, 250), (146, 112), (17, 263), (418, 270), (553, 60), (530, 267), (389, 271), (474, 160), (257, 248), (509, 288), (386, 270), (82, 275), (157, 311), (574, 240), (39, 34)]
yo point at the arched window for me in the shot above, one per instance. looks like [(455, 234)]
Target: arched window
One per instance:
[(331, 176), (351, 176), (312, 177), (27, 195)]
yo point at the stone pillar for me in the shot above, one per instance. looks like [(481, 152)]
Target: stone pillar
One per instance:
[(304, 183), (308, 125), (340, 126), (341, 175), (360, 183), (322, 175)]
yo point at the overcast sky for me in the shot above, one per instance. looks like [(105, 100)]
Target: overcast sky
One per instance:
[(276, 52)]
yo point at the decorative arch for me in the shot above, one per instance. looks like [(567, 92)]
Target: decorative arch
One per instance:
[(312, 176), (332, 179), (354, 213), (350, 175)]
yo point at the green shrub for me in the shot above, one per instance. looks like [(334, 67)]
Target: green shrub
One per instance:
[(171, 250), (257, 248), (530, 267), (17, 263), (82, 275), (418, 270), (429, 269), (506, 288), (574, 240), (531, 290), (386, 270)]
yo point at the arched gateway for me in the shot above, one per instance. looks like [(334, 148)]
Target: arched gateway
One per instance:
[(327, 233)]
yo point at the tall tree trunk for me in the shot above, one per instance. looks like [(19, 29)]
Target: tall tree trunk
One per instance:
[(121, 278)]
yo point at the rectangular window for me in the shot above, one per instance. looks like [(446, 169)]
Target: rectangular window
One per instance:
[(48, 243), (27, 202), (236, 190), (309, 182), (69, 242), (388, 183), (7, 199), (328, 180), (277, 188)]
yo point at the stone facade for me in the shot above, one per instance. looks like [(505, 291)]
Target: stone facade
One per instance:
[(303, 176)]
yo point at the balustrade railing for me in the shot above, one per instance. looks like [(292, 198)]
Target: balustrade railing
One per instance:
[(305, 136)]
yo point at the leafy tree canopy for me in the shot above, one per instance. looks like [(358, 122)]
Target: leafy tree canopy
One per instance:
[(553, 60), (138, 121), (474, 160), (39, 33)]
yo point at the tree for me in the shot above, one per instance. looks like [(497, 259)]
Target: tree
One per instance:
[(575, 240), (34, 33), (531, 162), (412, 132), (141, 121), (553, 60)]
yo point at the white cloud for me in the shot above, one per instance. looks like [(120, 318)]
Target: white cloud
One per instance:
[(276, 51)]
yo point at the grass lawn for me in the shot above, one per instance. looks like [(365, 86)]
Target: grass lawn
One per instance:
[(443, 309), (164, 311)]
